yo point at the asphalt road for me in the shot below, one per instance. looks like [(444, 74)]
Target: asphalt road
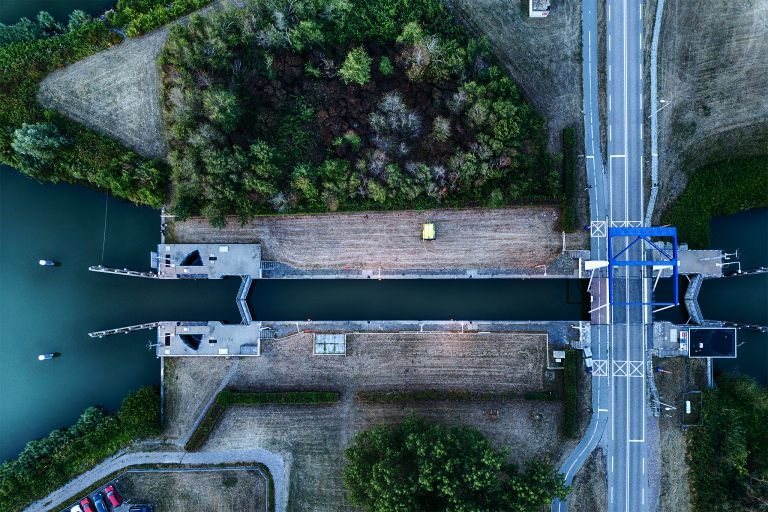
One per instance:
[(616, 200), (276, 464), (627, 481)]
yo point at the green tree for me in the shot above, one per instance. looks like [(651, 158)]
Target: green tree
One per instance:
[(417, 466), (77, 19), (221, 107), (385, 66), (728, 454), (22, 30), (48, 23), (356, 67), (39, 140)]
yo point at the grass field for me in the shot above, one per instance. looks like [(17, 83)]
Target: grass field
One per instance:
[(712, 71)]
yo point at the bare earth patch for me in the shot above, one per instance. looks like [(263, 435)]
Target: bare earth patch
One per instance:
[(590, 485), (687, 374), (313, 438), (542, 55), (224, 491), (467, 238), (188, 384), (712, 69), (116, 92)]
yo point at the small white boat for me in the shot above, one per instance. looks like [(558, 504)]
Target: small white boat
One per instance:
[(47, 263), (45, 357)]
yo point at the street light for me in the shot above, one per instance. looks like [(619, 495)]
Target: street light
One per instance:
[(667, 407), (665, 103)]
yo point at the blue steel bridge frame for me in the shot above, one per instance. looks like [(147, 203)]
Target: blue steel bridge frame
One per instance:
[(642, 235)]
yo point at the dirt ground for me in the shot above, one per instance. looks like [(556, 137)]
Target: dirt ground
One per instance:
[(188, 384), (468, 238), (712, 69), (116, 92), (317, 435), (687, 374), (542, 55), (590, 485), (312, 438), (513, 361), (224, 491)]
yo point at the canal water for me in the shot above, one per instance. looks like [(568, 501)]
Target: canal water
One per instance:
[(44, 309)]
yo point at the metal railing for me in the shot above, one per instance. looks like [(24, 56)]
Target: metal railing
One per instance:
[(122, 271), (123, 330), (242, 296)]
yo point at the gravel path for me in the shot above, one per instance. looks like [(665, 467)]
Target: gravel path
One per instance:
[(274, 461)]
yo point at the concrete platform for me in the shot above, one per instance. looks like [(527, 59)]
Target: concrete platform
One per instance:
[(208, 261), (178, 339), (705, 262)]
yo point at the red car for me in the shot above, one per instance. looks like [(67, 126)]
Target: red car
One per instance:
[(86, 504), (113, 496)]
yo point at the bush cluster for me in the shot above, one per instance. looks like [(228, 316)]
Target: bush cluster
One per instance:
[(421, 466), (571, 365), (728, 454), (722, 188), (138, 17), (48, 146), (50, 462), (479, 143)]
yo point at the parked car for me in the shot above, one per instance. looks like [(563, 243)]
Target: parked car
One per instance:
[(86, 504), (76, 508), (113, 497), (98, 501)]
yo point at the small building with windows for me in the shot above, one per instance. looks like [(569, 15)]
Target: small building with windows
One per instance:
[(717, 342)]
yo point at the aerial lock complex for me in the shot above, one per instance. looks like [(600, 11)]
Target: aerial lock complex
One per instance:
[(468, 243)]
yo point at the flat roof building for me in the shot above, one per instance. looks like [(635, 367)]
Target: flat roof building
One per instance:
[(717, 342)]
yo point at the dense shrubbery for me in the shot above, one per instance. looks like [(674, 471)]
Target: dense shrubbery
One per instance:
[(418, 466), (50, 462), (570, 168), (571, 365), (47, 146), (142, 16), (728, 454), (719, 189), (434, 122)]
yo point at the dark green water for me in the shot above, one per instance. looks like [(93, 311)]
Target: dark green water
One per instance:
[(44, 309), (742, 299)]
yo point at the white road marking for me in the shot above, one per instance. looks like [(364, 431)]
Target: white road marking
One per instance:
[(609, 13), (636, 440), (611, 494), (642, 496), (611, 463), (609, 72), (643, 465), (609, 103), (609, 42), (610, 132), (641, 11), (618, 156), (641, 131)]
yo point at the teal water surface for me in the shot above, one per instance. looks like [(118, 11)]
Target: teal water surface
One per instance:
[(51, 309)]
